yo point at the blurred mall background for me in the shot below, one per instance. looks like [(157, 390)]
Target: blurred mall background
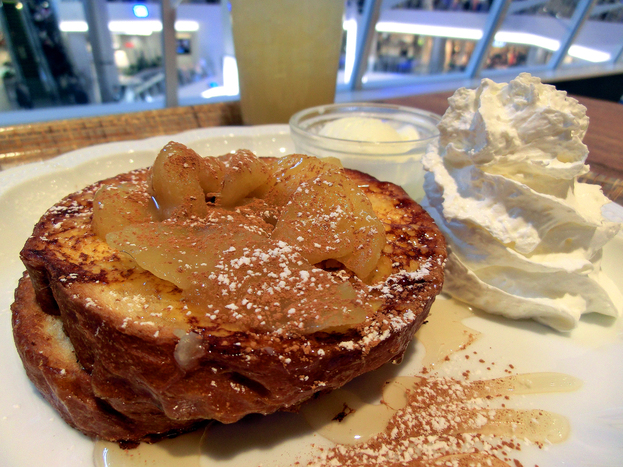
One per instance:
[(71, 58)]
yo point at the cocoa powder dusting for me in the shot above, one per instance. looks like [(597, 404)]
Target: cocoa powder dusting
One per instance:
[(438, 427)]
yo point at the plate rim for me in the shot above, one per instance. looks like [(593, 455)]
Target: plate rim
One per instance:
[(68, 161), (24, 172)]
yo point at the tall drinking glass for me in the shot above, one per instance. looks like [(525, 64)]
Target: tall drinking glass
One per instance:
[(288, 55)]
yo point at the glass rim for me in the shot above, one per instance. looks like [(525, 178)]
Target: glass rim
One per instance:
[(430, 118)]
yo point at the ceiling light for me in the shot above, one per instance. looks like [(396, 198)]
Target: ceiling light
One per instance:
[(140, 11)]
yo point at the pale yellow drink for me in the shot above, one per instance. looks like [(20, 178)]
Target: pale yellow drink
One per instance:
[(288, 55)]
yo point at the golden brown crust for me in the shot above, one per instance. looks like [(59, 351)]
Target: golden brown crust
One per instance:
[(52, 366), (143, 350)]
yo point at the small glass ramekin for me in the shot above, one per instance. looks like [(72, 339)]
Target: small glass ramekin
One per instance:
[(394, 161)]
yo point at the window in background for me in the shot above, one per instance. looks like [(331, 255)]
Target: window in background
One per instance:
[(70, 58), (125, 40), (37, 66), (531, 33), (601, 38), (206, 72), (138, 58), (69, 54), (425, 37), (8, 74), (58, 57)]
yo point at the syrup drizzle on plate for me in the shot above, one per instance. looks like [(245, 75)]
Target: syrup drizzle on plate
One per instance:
[(344, 418), (425, 417)]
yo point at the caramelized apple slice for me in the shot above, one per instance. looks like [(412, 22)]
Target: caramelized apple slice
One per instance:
[(368, 231), (326, 214), (242, 277), (318, 219), (290, 172), (268, 287), (211, 175), (244, 173), (118, 206), (174, 180), (177, 250), (171, 251)]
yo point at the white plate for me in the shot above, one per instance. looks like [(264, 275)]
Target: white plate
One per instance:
[(32, 434)]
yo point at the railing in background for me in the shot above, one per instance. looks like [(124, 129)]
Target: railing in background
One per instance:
[(391, 48)]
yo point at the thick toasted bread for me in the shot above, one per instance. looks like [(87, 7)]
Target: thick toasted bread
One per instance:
[(145, 355), (51, 364)]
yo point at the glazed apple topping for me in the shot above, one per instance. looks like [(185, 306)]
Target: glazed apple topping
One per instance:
[(175, 181), (268, 285), (319, 218), (244, 173), (230, 228), (118, 206)]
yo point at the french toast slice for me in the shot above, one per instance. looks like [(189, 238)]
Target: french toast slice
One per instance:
[(146, 347), (51, 364)]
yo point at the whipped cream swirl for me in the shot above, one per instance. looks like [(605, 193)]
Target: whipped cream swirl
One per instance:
[(525, 236)]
